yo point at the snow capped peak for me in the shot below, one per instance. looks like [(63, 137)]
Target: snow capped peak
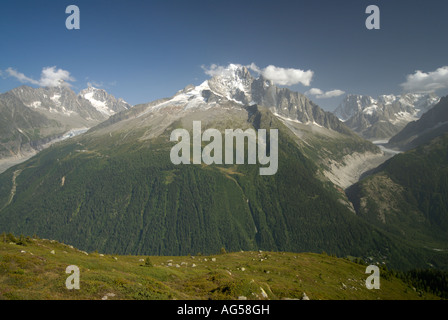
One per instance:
[(418, 100), (91, 89), (234, 87), (101, 106), (379, 118), (410, 103), (387, 99), (233, 83), (352, 104), (233, 75), (227, 84), (102, 101), (235, 67), (188, 98)]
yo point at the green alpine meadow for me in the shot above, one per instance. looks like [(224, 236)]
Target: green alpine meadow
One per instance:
[(36, 269)]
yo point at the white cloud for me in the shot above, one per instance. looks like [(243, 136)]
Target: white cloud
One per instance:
[(319, 94), (20, 76), (214, 70), (333, 93), (423, 82), (287, 77), (283, 76), (254, 67), (314, 92), (280, 76), (50, 77), (95, 84)]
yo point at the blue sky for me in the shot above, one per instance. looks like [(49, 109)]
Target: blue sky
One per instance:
[(144, 50)]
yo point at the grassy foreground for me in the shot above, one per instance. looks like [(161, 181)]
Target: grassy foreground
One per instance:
[(35, 269)]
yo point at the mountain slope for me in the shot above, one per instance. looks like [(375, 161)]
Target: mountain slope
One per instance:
[(132, 199), (340, 154), (118, 192), (407, 197), (20, 127), (432, 124)]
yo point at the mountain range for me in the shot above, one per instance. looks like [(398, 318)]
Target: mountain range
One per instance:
[(32, 118), (115, 189), (382, 118)]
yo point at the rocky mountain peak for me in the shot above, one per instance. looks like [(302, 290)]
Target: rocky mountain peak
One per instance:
[(352, 104), (235, 86), (103, 101), (233, 83)]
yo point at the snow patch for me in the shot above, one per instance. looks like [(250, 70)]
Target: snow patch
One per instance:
[(286, 119), (56, 99), (404, 116), (370, 110), (101, 106), (74, 132), (188, 99), (35, 104)]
